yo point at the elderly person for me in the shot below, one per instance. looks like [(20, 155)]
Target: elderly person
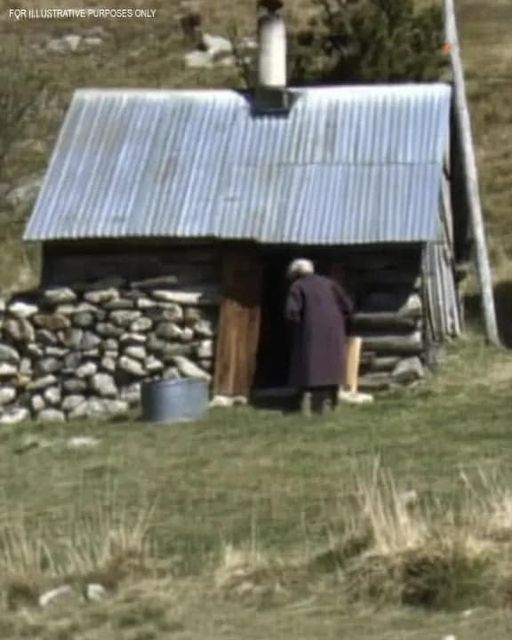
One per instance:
[(317, 309)]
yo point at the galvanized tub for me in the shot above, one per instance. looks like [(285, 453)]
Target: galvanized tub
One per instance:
[(181, 400)]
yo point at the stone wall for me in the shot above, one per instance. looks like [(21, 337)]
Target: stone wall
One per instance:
[(82, 351)]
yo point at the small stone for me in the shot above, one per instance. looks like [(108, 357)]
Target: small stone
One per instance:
[(119, 305), (51, 415), (51, 321), (204, 329), (206, 364), (34, 351), (66, 309), (103, 384), (124, 318), (171, 373), (187, 334), (74, 386), (131, 393), (95, 592), (8, 354), (133, 339), (19, 330), (83, 319), (7, 370), (72, 361), (192, 315), (134, 367), (59, 295), (41, 383), (141, 325), (108, 364), (152, 365), (72, 41), (86, 307), (189, 369), (96, 408), (168, 331), (72, 402), (46, 338), (53, 395), (145, 303), (26, 367), (408, 370), (7, 395), (167, 351), (198, 60), (22, 309), (82, 442), (89, 341), (37, 403), (56, 352), (86, 370), (110, 345), (50, 597), (101, 296), (71, 337), (206, 295), (48, 365), (14, 416), (108, 330), (139, 353), (169, 312), (93, 42), (217, 45)]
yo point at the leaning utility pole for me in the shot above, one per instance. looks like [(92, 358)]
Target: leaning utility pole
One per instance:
[(469, 165)]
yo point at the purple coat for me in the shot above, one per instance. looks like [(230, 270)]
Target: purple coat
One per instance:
[(317, 309)]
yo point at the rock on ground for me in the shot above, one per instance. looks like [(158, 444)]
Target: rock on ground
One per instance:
[(190, 370), (51, 415), (59, 295), (14, 416), (7, 395), (103, 384), (132, 366)]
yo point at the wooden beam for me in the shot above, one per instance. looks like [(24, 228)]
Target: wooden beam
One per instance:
[(463, 123), (393, 344)]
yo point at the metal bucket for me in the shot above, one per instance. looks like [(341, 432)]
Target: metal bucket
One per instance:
[(181, 400)]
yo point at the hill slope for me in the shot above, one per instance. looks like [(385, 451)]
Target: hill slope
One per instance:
[(150, 52)]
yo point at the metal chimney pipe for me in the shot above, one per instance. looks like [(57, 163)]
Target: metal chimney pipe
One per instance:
[(271, 92), (272, 52)]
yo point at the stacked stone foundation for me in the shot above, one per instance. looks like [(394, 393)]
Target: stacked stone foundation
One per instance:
[(83, 351)]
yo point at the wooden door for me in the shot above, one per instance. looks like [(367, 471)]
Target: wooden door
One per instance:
[(239, 325)]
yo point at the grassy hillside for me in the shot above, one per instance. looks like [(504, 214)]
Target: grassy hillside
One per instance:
[(150, 53)]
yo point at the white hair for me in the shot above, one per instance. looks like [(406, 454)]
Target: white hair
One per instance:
[(300, 267)]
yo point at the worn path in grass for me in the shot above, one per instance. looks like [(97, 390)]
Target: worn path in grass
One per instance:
[(263, 481)]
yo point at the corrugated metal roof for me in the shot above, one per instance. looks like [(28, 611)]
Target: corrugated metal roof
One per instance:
[(347, 165)]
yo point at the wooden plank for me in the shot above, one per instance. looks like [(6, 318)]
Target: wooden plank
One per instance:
[(354, 344), (382, 321), (239, 325), (463, 123), (393, 344)]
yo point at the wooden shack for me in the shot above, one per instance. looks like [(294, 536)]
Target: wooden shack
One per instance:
[(203, 187)]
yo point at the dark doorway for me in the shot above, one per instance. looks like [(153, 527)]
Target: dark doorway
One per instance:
[(274, 343)]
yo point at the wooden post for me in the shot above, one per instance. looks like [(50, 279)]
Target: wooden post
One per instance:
[(353, 359), (471, 174)]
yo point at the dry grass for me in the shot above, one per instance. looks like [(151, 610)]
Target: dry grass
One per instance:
[(393, 549), (106, 545)]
